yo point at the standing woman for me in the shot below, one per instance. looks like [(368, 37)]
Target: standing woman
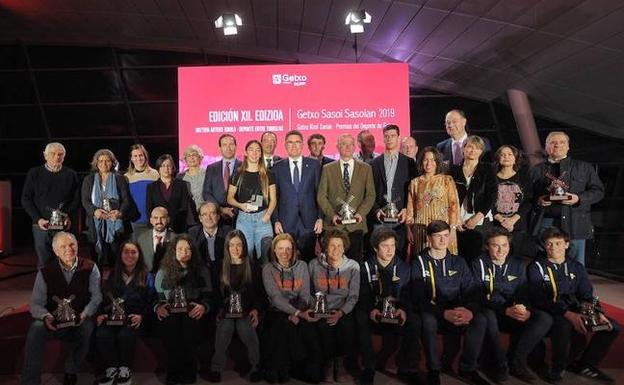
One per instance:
[(514, 194), (139, 175), (107, 202), (194, 174), (252, 190), (476, 188), (171, 193), (131, 281), (182, 270), (431, 196), (238, 276)]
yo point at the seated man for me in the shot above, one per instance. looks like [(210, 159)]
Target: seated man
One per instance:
[(154, 242), (560, 286), (66, 278), (444, 293), (381, 277), (505, 305)]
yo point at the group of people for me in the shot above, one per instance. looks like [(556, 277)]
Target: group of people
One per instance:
[(305, 258)]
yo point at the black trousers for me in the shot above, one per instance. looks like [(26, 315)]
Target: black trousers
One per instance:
[(116, 345), (473, 333), (405, 333), (181, 336), (337, 340), (285, 343), (568, 345), (355, 251)]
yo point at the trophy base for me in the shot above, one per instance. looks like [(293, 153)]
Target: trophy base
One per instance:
[(234, 315), (319, 316), (559, 198), (348, 221), (178, 310), (391, 321), (55, 227), (599, 328), (115, 322), (391, 220), (65, 325)]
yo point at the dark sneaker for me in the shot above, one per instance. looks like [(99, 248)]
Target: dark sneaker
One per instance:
[(472, 377), (124, 377), (521, 372), (270, 376), (433, 377), (367, 377), (408, 376), (592, 373), (110, 375), (214, 376), (500, 375), (255, 376), (554, 376), (70, 379)]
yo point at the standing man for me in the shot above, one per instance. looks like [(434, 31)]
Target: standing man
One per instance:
[(218, 177), (268, 140), (154, 243), (409, 147), (49, 187), (296, 180), (392, 173), (366, 141), (316, 145), (342, 180), (66, 277), (453, 147), (581, 185)]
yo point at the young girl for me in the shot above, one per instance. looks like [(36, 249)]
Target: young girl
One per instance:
[(182, 279), (238, 277), (252, 190), (130, 281)]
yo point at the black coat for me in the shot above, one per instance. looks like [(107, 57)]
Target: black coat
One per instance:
[(405, 172), (482, 191), (180, 206)]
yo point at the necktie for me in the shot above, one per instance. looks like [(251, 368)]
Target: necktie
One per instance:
[(270, 162), (345, 177), (226, 176), (158, 243), (458, 156), (296, 176)]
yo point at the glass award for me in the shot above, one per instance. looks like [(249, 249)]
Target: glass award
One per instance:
[(234, 307), (64, 315), (591, 310), (117, 315), (319, 309), (390, 213), (346, 212), (57, 219), (177, 301), (388, 311), (558, 189)]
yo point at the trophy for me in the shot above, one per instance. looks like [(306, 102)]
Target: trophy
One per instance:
[(558, 188), (590, 311), (57, 219), (390, 211), (346, 212), (319, 310), (177, 301), (117, 316), (110, 204), (388, 311), (64, 315), (235, 306)]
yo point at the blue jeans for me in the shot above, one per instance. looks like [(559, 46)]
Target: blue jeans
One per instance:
[(254, 230), (577, 246)]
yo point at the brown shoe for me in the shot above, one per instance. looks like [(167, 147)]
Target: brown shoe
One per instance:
[(342, 375)]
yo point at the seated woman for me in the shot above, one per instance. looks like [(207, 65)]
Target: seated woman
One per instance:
[(560, 287), (184, 292), (506, 307), (130, 281), (240, 296), (107, 202), (288, 333), (336, 278)]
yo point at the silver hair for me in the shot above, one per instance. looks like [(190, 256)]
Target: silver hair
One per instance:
[(60, 234), (52, 145), (553, 133)]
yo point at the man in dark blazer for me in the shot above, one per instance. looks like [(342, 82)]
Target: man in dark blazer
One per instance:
[(218, 177), (340, 180), (393, 172), (452, 149), (268, 140), (154, 242), (209, 237), (296, 181), (316, 145)]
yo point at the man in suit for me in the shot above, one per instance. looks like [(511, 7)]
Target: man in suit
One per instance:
[(452, 148), (268, 140), (316, 145), (218, 177), (209, 237), (341, 180), (154, 243), (296, 181), (392, 174)]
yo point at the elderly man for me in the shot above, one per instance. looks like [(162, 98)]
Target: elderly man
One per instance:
[(49, 187), (154, 243), (582, 189), (347, 181), (269, 142), (409, 147), (218, 177), (68, 278), (366, 141), (452, 148)]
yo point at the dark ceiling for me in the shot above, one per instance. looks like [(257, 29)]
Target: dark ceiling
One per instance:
[(567, 55)]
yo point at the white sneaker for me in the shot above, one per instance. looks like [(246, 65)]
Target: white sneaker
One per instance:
[(109, 377), (124, 377)]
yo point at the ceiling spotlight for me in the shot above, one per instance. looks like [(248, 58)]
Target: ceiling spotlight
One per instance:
[(229, 22), (356, 20)]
